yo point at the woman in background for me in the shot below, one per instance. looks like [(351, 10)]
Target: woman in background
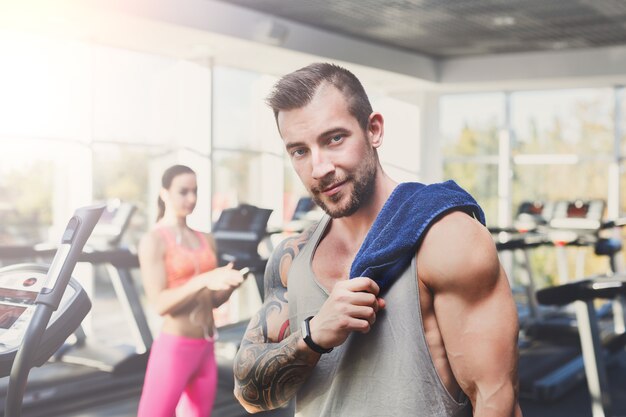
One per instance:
[(182, 281)]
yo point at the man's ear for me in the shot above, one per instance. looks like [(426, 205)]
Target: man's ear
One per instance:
[(376, 129)]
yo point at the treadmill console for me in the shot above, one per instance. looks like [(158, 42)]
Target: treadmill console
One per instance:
[(237, 235), (578, 215), (19, 287), (112, 225), (37, 312), (532, 214), (18, 293)]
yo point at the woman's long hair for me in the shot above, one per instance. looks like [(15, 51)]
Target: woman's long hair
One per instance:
[(166, 182)]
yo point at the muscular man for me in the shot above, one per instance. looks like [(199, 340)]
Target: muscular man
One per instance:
[(439, 340)]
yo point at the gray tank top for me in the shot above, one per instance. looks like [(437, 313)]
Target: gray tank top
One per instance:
[(386, 372)]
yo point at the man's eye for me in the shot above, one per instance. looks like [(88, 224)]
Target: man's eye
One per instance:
[(298, 152), (336, 138)]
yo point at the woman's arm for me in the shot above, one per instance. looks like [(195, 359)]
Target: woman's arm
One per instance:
[(219, 297), (169, 300)]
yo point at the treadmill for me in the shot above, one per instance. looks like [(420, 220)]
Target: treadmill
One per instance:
[(594, 352), (528, 232), (551, 361), (84, 373), (104, 250), (40, 306), (238, 233)]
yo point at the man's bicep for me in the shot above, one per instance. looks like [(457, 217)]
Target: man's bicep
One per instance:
[(271, 323), (479, 330), (475, 311)]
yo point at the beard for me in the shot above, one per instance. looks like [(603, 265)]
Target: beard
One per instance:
[(363, 180)]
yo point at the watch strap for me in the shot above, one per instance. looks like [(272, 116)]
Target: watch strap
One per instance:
[(306, 336)]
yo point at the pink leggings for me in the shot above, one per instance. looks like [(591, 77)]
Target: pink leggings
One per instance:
[(181, 378)]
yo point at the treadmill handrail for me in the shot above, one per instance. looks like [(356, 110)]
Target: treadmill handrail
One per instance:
[(606, 287), (76, 233), (236, 235), (118, 257)]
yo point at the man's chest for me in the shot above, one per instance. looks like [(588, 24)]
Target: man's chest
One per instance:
[(331, 263)]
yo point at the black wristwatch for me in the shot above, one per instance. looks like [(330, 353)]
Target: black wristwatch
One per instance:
[(306, 335)]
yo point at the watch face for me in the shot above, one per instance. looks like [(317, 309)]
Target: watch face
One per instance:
[(306, 336), (303, 329)]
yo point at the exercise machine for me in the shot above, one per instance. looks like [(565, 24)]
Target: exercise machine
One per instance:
[(596, 353), (238, 233), (104, 249), (550, 362), (85, 372), (40, 307), (529, 232)]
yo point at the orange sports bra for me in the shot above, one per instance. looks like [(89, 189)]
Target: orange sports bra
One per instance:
[(182, 263)]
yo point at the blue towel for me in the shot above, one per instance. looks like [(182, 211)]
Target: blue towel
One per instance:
[(399, 228)]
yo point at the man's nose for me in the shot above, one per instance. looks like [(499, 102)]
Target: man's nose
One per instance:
[(322, 165)]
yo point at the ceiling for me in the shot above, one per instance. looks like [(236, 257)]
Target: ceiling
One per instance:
[(461, 28)]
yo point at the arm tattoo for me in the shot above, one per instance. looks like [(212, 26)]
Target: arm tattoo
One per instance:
[(269, 370)]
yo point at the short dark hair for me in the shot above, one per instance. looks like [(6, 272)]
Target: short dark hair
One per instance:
[(296, 90), (166, 182)]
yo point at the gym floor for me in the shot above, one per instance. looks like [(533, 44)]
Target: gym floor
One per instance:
[(128, 408), (575, 403)]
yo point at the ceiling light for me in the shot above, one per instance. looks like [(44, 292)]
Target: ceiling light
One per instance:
[(560, 44), (503, 21), (271, 32)]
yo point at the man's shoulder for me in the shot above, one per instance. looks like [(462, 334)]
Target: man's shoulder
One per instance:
[(295, 242), (456, 245), (286, 252), (461, 234), (457, 223)]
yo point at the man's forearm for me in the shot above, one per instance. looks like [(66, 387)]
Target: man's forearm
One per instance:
[(504, 403), (268, 375)]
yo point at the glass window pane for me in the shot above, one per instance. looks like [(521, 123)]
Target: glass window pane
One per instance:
[(45, 87), (622, 191), (563, 121), (401, 146), (545, 264), (470, 123), (621, 117), (121, 172), (560, 182), (621, 120), (242, 119), (26, 187), (481, 181), (143, 98), (248, 177)]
